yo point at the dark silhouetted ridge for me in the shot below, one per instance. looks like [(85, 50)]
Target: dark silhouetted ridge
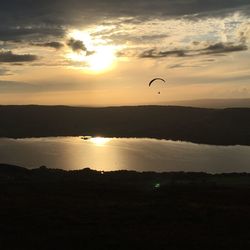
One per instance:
[(228, 126)]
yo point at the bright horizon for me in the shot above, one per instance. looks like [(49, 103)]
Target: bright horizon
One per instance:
[(105, 53)]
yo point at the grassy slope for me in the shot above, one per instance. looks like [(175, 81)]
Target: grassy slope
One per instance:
[(55, 209)]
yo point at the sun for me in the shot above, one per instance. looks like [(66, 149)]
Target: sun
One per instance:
[(102, 59), (99, 56)]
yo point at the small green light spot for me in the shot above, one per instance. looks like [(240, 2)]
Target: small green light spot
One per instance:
[(157, 185)]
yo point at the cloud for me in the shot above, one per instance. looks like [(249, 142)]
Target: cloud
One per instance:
[(223, 48), (9, 57), (121, 37), (140, 25), (17, 34), (76, 45), (55, 45), (182, 65), (153, 53), (79, 46), (62, 7), (217, 48), (45, 20), (13, 87), (23, 87), (244, 32), (4, 71), (20, 19)]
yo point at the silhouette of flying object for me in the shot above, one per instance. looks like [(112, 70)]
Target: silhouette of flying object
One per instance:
[(155, 79)]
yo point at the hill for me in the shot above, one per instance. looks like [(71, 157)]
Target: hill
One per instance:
[(228, 126), (85, 209)]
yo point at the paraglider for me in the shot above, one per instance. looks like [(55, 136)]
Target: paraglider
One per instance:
[(155, 79), (161, 79)]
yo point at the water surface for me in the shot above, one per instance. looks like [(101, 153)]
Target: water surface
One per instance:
[(123, 153)]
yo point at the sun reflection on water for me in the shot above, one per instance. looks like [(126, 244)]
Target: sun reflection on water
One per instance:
[(100, 141)]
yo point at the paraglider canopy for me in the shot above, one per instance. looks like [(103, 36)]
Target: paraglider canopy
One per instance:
[(155, 79)]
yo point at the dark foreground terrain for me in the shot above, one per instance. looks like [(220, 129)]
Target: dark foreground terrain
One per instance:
[(210, 126), (86, 209)]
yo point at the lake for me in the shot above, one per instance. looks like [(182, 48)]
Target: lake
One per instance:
[(123, 153)]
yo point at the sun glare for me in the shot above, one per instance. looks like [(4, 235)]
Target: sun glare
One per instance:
[(98, 57), (102, 59), (100, 141)]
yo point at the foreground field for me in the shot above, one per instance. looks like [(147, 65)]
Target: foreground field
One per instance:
[(86, 209)]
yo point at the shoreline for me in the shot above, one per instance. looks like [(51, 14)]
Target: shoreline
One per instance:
[(198, 125), (121, 137), (13, 173)]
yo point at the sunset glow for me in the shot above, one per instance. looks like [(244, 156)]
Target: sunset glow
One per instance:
[(96, 56), (102, 53)]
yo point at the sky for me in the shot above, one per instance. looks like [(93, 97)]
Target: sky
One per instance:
[(105, 52)]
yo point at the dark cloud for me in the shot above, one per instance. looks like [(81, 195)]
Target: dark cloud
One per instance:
[(9, 57), (223, 48), (89, 53), (217, 48), (55, 45), (28, 19), (18, 34), (76, 45), (58, 10), (125, 53), (153, 53), (182, 65)]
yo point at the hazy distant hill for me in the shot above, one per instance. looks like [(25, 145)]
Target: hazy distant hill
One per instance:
[(211, 126), (213, 103)]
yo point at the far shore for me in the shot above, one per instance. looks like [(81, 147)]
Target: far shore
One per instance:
[(228, 126)]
